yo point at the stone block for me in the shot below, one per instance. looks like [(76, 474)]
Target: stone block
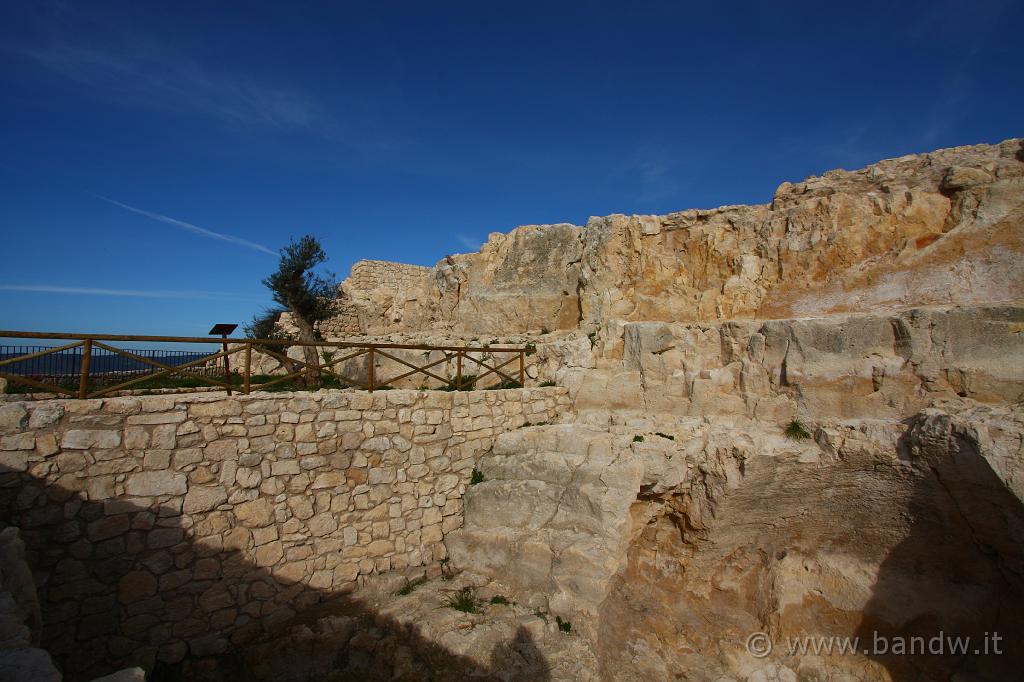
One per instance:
[(255, 513), (175, 417), (13, 417), (44, 415), (154, 483), (204, 498), (135, 586), (85, 439), (219, 408)]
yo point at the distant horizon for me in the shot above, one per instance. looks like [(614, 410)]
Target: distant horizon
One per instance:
[(149, 173)]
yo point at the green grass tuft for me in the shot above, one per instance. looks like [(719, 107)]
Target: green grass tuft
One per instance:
[(664, 435), (544, 384), (797, 431), (499, 599), (464, 600), (468, 383), (638, 439), (411, 585), (476, 477), (563, 625)]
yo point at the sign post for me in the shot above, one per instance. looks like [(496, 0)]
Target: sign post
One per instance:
[(224, 330)]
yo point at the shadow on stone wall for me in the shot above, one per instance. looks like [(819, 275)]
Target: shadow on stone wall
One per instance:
[(960, 571), (122, 584)]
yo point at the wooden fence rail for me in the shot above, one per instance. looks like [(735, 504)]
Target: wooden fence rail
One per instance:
[(324, 364)]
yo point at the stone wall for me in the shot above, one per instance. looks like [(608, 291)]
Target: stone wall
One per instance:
[(164, 526), (372, 287), (367, 275), (344, 322)]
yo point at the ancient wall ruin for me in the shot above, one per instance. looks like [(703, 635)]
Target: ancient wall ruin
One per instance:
[(343, 323), (164, 526), (367, 275), (370, 285)]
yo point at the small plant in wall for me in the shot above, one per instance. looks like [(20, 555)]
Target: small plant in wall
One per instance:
[(476, 477), (563, 625), (411, 585), (638, 439), (463, 600), (664, 435), (797, 431), (500, 600), (446, 570)]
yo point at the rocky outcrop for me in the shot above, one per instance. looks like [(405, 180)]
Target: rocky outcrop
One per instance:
[(553, 508), (671, 548), (926, 229), (20, 617), (848, 365)]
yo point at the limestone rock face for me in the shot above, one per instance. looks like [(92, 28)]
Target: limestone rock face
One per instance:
[(924, 229), (20, 617), (670, 548), (539, 261), (551, 516), (866, 365)]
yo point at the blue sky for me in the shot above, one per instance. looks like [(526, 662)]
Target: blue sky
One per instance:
[(151, 154)]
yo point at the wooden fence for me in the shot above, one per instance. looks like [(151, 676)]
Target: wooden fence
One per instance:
[(324, 364)]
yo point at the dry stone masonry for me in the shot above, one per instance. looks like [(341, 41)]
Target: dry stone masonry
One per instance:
[(166, 526), (368, 275)]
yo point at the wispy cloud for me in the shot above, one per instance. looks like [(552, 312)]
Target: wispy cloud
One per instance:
[(968, 35), (155, 76), (238, 241), (653, 173), (135, 293), (467, 242)]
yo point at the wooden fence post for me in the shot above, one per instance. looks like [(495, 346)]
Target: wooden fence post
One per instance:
[(227, 364), (369, 370), (522, 369), (83, 384), (458, 371), (248, 367)]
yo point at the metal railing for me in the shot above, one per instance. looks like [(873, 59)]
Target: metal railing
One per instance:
[(89, 357), (67, 363)]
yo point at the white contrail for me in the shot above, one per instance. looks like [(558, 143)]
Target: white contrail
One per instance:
[(141, 293), (189, 226)]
